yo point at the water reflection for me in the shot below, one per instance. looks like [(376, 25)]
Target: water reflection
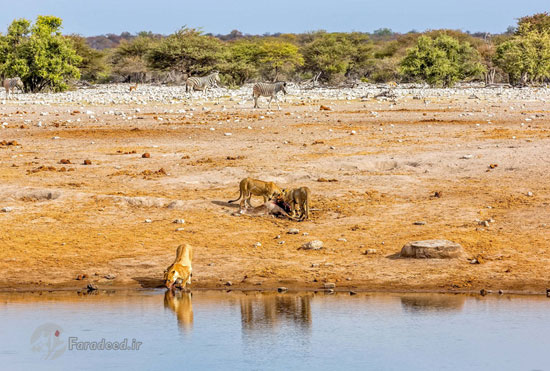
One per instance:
[(181, 304), (259, 311), (432, 302)]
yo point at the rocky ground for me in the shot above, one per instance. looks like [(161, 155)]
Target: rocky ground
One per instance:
[(80, 200)]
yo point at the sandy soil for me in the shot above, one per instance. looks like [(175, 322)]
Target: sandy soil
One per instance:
[(387, 160)]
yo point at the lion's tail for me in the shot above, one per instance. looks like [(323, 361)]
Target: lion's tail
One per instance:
[(240, 195)]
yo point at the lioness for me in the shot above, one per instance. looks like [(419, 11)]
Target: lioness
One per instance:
[(249, 187), (180, 270), (298, 196)]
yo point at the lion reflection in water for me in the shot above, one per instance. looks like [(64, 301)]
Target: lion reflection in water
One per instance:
[(180, 303), (260, 310)]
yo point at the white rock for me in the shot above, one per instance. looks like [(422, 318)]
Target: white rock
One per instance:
[(313, 245), (6, 209)]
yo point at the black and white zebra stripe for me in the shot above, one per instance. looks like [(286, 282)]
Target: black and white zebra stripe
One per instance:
[(11, 84), (202, 83), (264, 89)]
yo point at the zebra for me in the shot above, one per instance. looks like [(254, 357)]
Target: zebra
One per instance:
[(264, 89), (202, 83), (11, 84)]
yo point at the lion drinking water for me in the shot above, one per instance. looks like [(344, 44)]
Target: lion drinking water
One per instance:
[(180, 272)]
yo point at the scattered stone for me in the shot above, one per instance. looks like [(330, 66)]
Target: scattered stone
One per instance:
[(484, 223), (282, 289), (293, 231), (305, 234), (353, 292), (7, 209), (329, 285), (500, 292), (420, 222), (87, 162), (80, 277), (148, 221), (277, 236), (466, 157), (180, 229), (91, 287), (109, 276), (438, 194), (548, 293), (325, 108), (179, 221), (281, 242), (483, 292), (229, 283), (329, 291), (529, 194), (146, 155), (64, 161), (341, 239), (432, 249), (312, 245), (257, 244), (370, 251), (325, 180)]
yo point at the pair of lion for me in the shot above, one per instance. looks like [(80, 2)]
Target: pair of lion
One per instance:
[(296, 198)]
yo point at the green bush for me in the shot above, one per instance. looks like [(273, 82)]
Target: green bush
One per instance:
[(39, 54), (441, 61)]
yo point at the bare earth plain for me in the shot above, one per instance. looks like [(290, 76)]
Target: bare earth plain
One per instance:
[(374, 167)]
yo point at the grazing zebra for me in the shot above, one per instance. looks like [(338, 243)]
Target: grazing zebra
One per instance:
[(264, 89), (202, 83), (11, 84)]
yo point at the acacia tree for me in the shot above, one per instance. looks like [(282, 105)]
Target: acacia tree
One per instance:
[(243, 61), (278, 56), (40, 55), (526, 56), (337, 55), (129, 60), (93, 66), (441, 61), (188, 51), (329, 53)]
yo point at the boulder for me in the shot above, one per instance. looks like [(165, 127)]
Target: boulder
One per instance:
[(432, 249), (312, 245)]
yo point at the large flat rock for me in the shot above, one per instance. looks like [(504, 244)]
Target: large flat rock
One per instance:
[(432, 249)]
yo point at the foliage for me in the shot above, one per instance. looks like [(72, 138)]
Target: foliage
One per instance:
[(336, 54), (129, 59), (537, 22), (441, 61), (242, 65), (188, 51), (526, 56), (277, 56), (93, 66), (39, 54)]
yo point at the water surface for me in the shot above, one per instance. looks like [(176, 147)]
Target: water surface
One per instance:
[(211, 330)]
